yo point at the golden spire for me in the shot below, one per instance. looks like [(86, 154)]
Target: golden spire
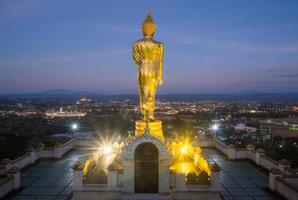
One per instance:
[(148, 26)]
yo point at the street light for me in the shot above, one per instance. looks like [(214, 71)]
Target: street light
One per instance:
[(74, 127), (214, 127)]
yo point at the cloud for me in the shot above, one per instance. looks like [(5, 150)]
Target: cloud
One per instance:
[(14, 10), (67, 58), (238, 46), (236, 40), (265, 49), (98, 26), (115, 28), (289, 70), (288, 75)]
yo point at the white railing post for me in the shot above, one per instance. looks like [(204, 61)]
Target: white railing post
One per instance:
[(259, 153), (215, 176), (180, 182), (78, 176), (282, 164), (274, 173), (15, 172), (112, 176)]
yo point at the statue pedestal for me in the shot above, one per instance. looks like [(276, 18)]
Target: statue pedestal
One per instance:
[(155, 128)]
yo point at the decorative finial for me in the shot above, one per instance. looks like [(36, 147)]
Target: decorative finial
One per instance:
[(148, 26)]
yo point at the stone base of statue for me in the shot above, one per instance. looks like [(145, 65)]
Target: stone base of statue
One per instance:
[(154, 128)]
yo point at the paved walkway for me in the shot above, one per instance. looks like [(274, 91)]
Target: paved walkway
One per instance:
[(240, 179), (49, 179), (52, 179)]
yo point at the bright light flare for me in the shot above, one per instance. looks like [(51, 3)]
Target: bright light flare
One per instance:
[(186, 157), (104, 154), (74, 126), (107, 150), (215, 127), (183, 150)]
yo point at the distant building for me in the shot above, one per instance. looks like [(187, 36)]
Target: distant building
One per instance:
[(85, 99), (285, 131), (270, 107), (215, 121), (26, 113), (265, 129), (283, 127), (239, 128), (295, 108), (62, 113)]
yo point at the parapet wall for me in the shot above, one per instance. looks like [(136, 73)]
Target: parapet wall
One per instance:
[(11, 168), (277, 182), (6, 185), (281, 177), (283, 187), (116, 184)]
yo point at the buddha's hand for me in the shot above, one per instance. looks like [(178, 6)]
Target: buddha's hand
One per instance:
[(160, 81)]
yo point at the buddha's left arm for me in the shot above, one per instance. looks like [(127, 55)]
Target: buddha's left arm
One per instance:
[(160, 64)]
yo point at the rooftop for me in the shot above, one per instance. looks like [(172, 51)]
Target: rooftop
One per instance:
[(52, 179)]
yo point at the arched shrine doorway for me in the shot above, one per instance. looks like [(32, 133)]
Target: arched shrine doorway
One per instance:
[(146, 168)]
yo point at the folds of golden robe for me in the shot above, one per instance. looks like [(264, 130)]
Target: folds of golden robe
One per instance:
[(148, 56)]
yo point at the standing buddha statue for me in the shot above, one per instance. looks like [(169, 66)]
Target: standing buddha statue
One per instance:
[(148, 56)]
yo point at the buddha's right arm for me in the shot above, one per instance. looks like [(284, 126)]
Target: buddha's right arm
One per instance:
[(136, 55)]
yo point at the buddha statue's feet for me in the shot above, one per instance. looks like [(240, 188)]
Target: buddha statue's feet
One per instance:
[(154, 126)]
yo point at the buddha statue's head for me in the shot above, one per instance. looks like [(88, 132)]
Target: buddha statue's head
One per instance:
[(148, 26)]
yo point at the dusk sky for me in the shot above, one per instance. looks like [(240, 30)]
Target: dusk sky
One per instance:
[(210, 46)]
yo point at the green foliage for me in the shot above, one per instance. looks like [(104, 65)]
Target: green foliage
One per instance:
[(19, 133), (280, 148)]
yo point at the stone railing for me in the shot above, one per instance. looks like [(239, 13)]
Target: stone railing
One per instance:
[(282, 176), (10, 169), (114, 187), (221, 146), (34, 154), (204, 143), (283, 184), (178, 181), (85, 142), (10, 181), (182, 190), (6, 185), (257, 156), (111, 190)]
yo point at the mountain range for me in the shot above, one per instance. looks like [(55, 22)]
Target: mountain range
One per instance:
[(62, 93)]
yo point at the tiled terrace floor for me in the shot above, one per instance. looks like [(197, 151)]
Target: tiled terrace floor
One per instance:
[(240, 179), (52, 179), (49, 179)]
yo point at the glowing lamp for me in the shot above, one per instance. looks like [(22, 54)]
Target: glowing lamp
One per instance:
[(183, 150), (107, 150), (214, 127), (74, 126)]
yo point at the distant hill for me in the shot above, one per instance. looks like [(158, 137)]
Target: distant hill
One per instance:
[(57, 93), (266, 97), (62, 93)]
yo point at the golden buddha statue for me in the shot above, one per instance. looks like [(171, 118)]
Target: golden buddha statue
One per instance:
[(148, 56)]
